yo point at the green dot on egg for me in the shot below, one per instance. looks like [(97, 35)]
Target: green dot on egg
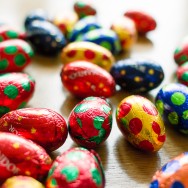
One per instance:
[(12, 34), (185, 76), (11, 49), (178, 98), (106, 44), (11, 91), (20, 60), (3, 64)]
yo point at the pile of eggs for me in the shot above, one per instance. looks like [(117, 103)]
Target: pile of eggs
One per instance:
[(91, 73)]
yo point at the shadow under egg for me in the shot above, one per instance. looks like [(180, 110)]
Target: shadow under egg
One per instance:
[(137, 165)]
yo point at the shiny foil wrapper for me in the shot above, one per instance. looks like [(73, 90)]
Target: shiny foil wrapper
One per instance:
[(137, 75), (140, 122), (87, 51), (76, 168), (143, 21), (15, 55), (43, 126), (126, 30), (172, 174), (15, 91), (172, 103), (22, 182), (182, 73), (19, 156), (90, 122), (84, 8), (84, 79)]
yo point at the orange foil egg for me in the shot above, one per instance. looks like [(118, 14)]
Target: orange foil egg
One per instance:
[(84, 79), (140, 122), (43, 126), (88, 51), (126, 30)]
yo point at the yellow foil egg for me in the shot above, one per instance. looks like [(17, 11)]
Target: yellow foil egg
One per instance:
[(65, 22), (141, 124), (126, 30), (88, 51)]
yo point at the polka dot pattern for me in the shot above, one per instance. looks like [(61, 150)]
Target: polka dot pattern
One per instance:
[(140, 123)]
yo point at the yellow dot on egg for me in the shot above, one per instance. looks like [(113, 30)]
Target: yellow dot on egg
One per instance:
[(54, 44), (28, 158), (105, 89), (62, 129), (5, 124), (151, 71), (123, 72), (16, 145), (88, 83), (75, 87), (151, 84), (19, 118), (137, 79), (33, 130), (65, 77), (28, 173), (101, 85)]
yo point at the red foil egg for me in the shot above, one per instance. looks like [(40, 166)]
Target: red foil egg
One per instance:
[(15, 55), (43, 126), (143, 21), (182, 73), (15, 91), (84, 79), (90, 122), (7, 33), (83, 9), (19, 156), (76, 168), (22, 182)]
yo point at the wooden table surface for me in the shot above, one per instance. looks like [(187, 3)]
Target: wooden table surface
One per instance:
[(124, 166)]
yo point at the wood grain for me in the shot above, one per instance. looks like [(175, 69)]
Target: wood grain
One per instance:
[(124, 166)]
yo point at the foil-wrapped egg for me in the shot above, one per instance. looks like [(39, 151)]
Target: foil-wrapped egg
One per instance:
[(83, 26), (84, 79), (137, 75), (172, 103), (143, 21), (140, 122), (19, 156), (182, 73), (103, 37), (43, 126), (90, 122), (45, 37), (126, 30), (15, 55), (22, 181), (78, 168), (173, 174), (84, 8), (15, 91), (87, 51)]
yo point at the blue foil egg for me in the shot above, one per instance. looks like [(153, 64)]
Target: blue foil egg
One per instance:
[(172, 103), (84, 25), (46, 38), (37, 14), (173, 174), (103, 37), (137, 75)]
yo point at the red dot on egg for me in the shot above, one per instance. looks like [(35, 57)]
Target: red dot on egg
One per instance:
[(89, 54), (149, 109), (135, 125), (156, 128), (162, 138), (146, 145), (71, 53), (124, 109)]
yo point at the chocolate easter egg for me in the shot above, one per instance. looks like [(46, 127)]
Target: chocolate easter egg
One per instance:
[(15, 91), (103, 37), (15, 55), (78, 168), (31, 123), (140, 122), (88, 51), (84, 79), (173, 174), (137, 75), (172, 103), (45, 37), (90, 122), (19, 156)]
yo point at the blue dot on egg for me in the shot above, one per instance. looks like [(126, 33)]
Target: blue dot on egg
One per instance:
[(171, 167), (154, 184), (177, 184)]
